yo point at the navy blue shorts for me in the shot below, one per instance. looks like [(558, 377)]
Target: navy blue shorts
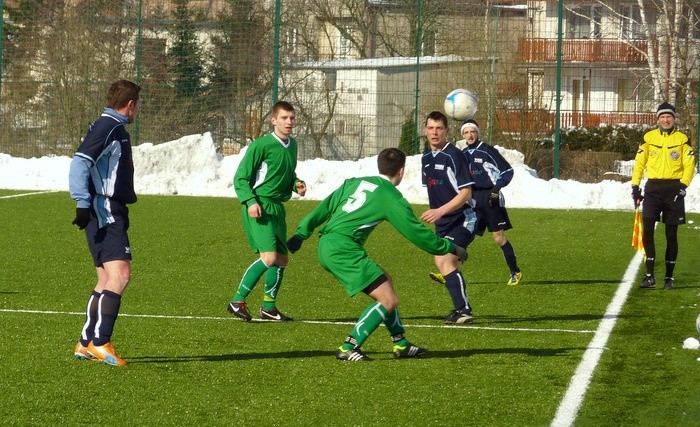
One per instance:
[(495, 218), (459, 228), (110, 243)]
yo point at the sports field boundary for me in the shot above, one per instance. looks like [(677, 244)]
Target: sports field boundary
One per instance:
[(316, 322), (572, 400), (11, 196)]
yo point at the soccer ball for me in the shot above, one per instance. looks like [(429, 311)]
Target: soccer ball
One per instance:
[(460, 104)]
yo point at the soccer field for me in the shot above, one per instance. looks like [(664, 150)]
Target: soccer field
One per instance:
[(191, 363)]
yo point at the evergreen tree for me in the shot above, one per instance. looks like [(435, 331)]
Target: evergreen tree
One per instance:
[(408, 136)]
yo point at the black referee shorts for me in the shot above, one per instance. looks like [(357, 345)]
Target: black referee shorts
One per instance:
[(662, 203)]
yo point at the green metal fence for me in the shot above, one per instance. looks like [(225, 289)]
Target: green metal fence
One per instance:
[(362, 74)]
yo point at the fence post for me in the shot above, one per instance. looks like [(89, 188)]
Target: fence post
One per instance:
[(139, 47), (419, 36), (276, 53), (2, 21), (557, 123)]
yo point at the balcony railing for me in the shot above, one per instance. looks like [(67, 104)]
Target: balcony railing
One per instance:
[(584, 50), (538, 121)]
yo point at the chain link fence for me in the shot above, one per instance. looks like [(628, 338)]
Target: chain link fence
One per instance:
[(362, 74)]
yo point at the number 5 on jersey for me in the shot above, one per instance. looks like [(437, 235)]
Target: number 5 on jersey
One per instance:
[(359, 197)]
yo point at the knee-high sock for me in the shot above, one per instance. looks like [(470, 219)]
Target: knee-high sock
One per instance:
[(88, 332), (369, 320), (671, 249), (509, 255), (649, 247), (454, 282), (250, 279), (273, 280), (396, 329), (107, 312)]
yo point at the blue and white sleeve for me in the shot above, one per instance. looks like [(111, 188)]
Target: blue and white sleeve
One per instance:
[(79, 180)]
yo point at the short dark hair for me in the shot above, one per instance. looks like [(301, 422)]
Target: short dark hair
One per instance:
[(390, 161), (121, 92), (281, 105), (438, 116)]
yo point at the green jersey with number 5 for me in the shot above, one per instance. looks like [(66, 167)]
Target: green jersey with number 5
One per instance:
[(360, 204)]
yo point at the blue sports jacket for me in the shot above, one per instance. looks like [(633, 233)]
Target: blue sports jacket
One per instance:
[(102, 169)]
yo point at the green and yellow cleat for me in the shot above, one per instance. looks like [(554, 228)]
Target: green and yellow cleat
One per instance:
[(514, 278), (438, 278)]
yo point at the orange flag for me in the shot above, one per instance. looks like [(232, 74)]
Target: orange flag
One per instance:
[(638, 231)]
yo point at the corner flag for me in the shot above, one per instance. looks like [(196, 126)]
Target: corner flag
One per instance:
[(638, 231)]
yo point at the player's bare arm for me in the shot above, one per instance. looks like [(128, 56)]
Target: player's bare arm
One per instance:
[(432, 215)]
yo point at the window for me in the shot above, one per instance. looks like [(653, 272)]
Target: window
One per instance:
[(631, 26), (634, 96), (580, 91), (693, 24), (153, 55), (536, 90), (289, 40), (344, 42), (584, 22), (428, 47)]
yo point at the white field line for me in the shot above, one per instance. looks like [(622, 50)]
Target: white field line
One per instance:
[(27, 194), (319, 322), (571, 403)]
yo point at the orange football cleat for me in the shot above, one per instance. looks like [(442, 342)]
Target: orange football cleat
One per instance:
[(106, 354)]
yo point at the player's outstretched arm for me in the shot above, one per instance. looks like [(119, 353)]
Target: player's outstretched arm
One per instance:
[(401, 217)]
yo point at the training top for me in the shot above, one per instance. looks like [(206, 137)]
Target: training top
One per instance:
[(487, 166), (267, 170), (445, 173), (665, 155), (360, 204), (102, 169)]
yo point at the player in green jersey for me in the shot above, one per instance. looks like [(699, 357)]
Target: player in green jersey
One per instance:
[(264, 179), (353, 211)]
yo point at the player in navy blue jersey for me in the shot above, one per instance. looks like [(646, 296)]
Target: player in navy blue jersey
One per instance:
[(490, 172), (101, 181), (446, 177)]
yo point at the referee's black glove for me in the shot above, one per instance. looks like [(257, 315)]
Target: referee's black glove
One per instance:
[(460, 252), (82, 217), (637, 195), (294, 243), (495, 197)]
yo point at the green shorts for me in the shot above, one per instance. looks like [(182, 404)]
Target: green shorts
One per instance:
[(269, 232), (348, 262)]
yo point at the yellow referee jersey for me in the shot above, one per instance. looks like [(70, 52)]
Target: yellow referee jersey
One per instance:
[(664, 155)]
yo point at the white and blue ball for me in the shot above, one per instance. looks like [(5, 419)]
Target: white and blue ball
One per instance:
[(461, 104)]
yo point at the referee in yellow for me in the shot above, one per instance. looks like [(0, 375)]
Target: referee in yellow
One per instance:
[(669, 161)]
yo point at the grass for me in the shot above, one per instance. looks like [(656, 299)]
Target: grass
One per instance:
[(191, 363)]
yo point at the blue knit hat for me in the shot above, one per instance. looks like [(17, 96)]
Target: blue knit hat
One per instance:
[(666, 108)]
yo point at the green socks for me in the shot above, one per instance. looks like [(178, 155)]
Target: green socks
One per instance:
[(273, 278), (369, 320), (250, 278)]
